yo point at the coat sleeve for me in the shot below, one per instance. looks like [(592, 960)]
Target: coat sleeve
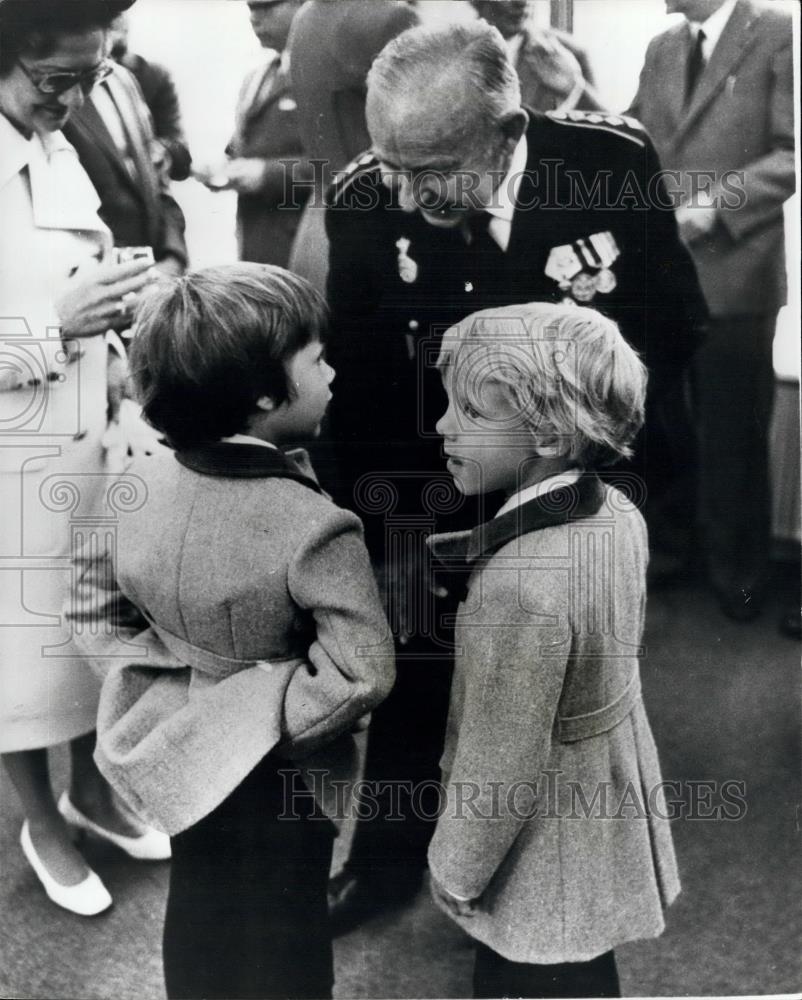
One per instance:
[(770, 179), (514, 651), (351, 666)]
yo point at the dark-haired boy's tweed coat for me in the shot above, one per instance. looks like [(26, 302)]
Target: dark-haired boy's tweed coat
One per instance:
[(546, 693), (238, 614)]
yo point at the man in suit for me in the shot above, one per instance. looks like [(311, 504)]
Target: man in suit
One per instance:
[(468, 201), (266, 164), (554, 71), (113, 136), (716, 95), (333, 43), (161, 97)]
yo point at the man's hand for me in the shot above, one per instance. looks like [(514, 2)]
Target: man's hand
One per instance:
[(557, 66), (695, 221), (102, 299), (456, 907), (246, 175)]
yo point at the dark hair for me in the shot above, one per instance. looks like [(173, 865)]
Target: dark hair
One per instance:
[(34, 26), (207, 346)]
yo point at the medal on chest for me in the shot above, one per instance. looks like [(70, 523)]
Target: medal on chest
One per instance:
[(407, 267), (583, 269)]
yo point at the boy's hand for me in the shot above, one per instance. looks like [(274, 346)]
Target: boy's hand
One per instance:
[(456, 907)]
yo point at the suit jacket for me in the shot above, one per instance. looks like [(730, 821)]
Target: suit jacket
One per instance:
[(138, 210), (226, 637), (396, 282), (535, 92), (267, 128), (161, 98), (332, 46), (546, 713), (740, 118)]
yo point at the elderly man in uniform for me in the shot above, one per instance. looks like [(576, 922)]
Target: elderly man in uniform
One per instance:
[(466, 201)]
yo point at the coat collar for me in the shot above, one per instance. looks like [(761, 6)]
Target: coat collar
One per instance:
[(249, 461), (458, 549)]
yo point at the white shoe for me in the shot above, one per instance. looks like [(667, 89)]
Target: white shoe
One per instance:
[(86, 898), (152, 845)]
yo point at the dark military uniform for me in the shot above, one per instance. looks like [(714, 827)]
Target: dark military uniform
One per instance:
[(395, 284)]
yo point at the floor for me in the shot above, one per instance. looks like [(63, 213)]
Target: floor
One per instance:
[(724, 704)]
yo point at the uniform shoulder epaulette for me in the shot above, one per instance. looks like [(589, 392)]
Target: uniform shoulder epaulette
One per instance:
[(345, 178), (623, 125)]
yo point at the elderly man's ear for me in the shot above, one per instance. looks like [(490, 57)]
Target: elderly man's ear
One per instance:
[(514, 125)]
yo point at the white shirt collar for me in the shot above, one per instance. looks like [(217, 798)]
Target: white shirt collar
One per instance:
[(713, 27), (503, 206), (248, 439), (566, 478)]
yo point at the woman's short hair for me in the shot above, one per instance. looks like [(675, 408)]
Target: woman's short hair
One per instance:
[(575, 384), (33, 27), (207, 346)]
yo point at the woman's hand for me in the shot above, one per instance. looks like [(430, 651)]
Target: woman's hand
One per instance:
[(103, 298)]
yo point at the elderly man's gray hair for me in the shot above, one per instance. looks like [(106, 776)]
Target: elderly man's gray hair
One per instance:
[(455, 55)]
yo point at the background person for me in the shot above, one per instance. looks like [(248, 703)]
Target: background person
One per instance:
[(113, 135), (266, 164), (58, 301), (161, 97), (554, 70), (716, 95)]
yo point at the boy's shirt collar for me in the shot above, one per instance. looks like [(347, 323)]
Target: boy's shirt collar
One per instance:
[(248, 439), (566, 478)]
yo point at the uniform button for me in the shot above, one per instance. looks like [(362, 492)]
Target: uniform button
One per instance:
[(468, 286), (413, 324)]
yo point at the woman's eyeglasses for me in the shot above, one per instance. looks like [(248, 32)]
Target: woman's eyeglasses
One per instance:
[(60, 83)]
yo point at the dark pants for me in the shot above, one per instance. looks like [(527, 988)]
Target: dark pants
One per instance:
[(494, 977), (247, 914), (733, 383)]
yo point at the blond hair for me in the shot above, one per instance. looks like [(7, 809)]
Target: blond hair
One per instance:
[(576, 385)]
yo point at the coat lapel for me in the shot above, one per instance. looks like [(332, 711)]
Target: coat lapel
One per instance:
[(734, 42), (248, 461), (92, 125)]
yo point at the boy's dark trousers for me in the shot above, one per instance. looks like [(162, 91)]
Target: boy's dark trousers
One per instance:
[(494, 977), (247, 912)]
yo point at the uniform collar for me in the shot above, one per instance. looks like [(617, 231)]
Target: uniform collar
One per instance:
[(573, 502), (249, 461)]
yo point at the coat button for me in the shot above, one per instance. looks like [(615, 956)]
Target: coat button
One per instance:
[(468, 286), (413, 324)]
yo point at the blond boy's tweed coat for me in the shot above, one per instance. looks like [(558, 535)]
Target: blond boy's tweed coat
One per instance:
[(252, 622), (546, 713)]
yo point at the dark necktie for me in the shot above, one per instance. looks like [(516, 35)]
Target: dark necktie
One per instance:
[(695, 67)]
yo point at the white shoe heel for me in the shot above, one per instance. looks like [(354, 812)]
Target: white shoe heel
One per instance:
[(152, 845), (86, 898)]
